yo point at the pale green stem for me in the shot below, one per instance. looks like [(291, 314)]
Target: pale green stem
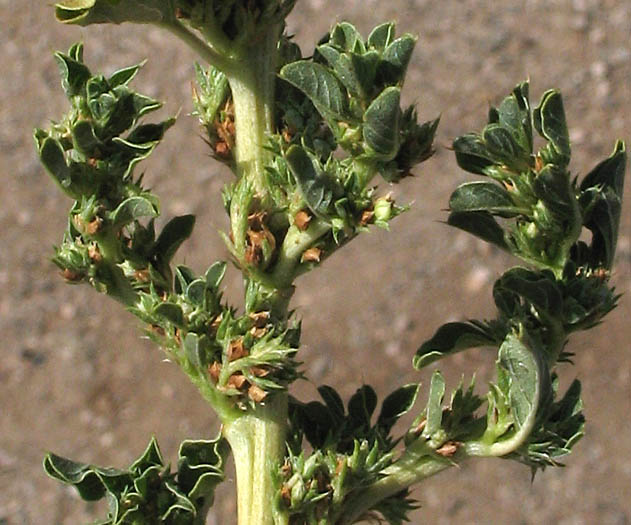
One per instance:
[(252, 84), (294, 245), (203, 49), (257, 439), (405, 472)]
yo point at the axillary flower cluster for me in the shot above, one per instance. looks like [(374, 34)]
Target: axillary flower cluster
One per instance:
[(306, 138)]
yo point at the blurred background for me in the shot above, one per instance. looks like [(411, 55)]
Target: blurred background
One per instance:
[(76, 376)]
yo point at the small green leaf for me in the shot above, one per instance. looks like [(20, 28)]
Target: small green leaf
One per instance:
[(345, 36), (54, 160), (601, 200), (397, 404), (552, 186), (455, 337), (484, 196), (196, 291), (74, 73), (525, 374), (122, 77), (132, 209), (333, 402), (171, 312), (472, 154), (481, 224), (80, 475), (434, 411), (361, 406), (357, 72), (514, 115), (503, 147), (395, 60), (174, 233), (149, 458), (549, 121), (84, 140), (381, 123), (183, 277), (320, 86), (381, 36), (148, 134), (313, 183), (214, 274), (86, 12), (539, 289), (330, 54), (192, 350), (609, 173)]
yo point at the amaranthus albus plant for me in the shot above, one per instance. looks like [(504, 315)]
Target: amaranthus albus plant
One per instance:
[(308, 138)]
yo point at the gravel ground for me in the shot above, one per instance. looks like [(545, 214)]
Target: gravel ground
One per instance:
[(75, 377)]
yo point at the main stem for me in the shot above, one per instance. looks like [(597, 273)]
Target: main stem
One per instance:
[(257, 439), (257, 436)]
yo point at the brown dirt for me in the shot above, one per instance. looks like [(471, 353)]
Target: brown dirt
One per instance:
[(75, 376)]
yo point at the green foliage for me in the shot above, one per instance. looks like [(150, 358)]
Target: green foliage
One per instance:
[(148, 492), (356, 88), (350, 452), (543, 209), (305, 139), (542, 213)]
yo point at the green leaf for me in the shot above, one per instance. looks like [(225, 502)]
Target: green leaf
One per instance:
[(147, 135), (381, 123), (174, 233), (84, 140), (481, 224), (333, 402), (122, 77), (395, 60), (381, 36), (357, 72), (321, 86), (171, 312), (539, 289), (609, 173), (522, 368), (86, 12), (345, 36), (193, 351), (549, 121), (315, 186), (74, 73), (503, 147), (524, 385), (513, 114), (472, 154), (561, 428), (54, 160), (455, 337), (434, 411), (361, 406), (214, 274), (397, 404), (552, 186), (330, 54), (184, 276), (149, 458), (484, 196), (601, 200), (80, 475), (132, 209)]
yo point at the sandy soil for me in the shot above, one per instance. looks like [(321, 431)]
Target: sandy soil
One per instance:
[(76, 377)]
